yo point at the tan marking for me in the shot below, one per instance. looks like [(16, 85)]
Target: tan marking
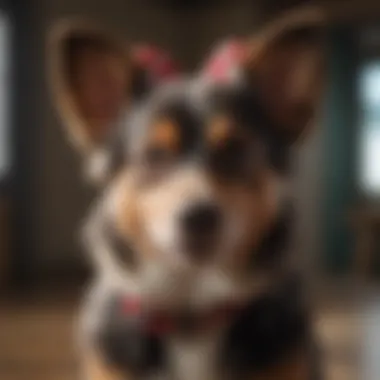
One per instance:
[(128, 215), (165, 134), (295, 368), (95, 368), (219, 131), (126, 199)]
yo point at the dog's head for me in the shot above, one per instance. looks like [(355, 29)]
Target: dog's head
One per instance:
[(192, 170)]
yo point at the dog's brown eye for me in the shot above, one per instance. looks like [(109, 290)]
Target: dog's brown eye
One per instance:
[(230, 160), (220, 130), (158, 156)]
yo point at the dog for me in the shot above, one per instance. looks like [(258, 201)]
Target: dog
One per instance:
[(189, 234)]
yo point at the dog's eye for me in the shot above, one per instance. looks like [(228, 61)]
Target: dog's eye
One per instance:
[(230, 160), (157, 156)]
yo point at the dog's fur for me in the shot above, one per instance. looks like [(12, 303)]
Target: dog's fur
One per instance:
[(223, 149)]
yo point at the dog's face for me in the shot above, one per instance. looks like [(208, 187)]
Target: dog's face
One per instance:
[(198, 186), (193, 173)]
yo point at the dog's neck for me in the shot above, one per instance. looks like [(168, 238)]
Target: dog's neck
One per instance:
[(161, 321), (161, 288), (190, 320)]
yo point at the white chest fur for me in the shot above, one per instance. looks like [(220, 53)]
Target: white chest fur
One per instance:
[(194, 358), (189, 358)]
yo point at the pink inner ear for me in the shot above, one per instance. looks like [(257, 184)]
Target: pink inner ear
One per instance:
[(225, 61), (157, 63), (221, 66)]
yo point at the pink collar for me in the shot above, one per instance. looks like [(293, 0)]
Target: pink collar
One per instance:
[(162, 322)]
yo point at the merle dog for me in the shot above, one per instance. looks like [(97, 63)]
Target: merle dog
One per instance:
[(189, 234)]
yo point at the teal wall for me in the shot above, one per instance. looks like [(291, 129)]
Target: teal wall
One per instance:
[(339, 150)]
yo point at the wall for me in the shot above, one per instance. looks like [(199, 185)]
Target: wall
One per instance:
[(27, 104), (340, 151)]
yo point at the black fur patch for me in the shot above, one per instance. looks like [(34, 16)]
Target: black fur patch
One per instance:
[(126, 344), (268, 330), (232, 161), (243, 104), (240, 102), (275, 243)]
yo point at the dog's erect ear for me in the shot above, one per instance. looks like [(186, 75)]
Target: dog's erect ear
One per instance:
[(91, 79), (286, 63)]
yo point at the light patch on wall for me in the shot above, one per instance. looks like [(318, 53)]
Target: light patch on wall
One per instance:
[(369, 149), (4, 94)]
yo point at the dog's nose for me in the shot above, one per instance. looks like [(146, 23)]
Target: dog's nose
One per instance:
[(201, 219)]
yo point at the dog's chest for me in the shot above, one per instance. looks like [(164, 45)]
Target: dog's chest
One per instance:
[(152, 352), (186, 360), (194, 358), (257, 337)]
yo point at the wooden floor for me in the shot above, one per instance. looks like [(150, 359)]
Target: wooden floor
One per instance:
[(37, 340), (36, 337)]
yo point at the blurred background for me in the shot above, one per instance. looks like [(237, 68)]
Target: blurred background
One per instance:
[(43, 197)]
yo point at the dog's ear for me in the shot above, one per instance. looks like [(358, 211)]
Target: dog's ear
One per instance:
[(286, 63), (91, 79)]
